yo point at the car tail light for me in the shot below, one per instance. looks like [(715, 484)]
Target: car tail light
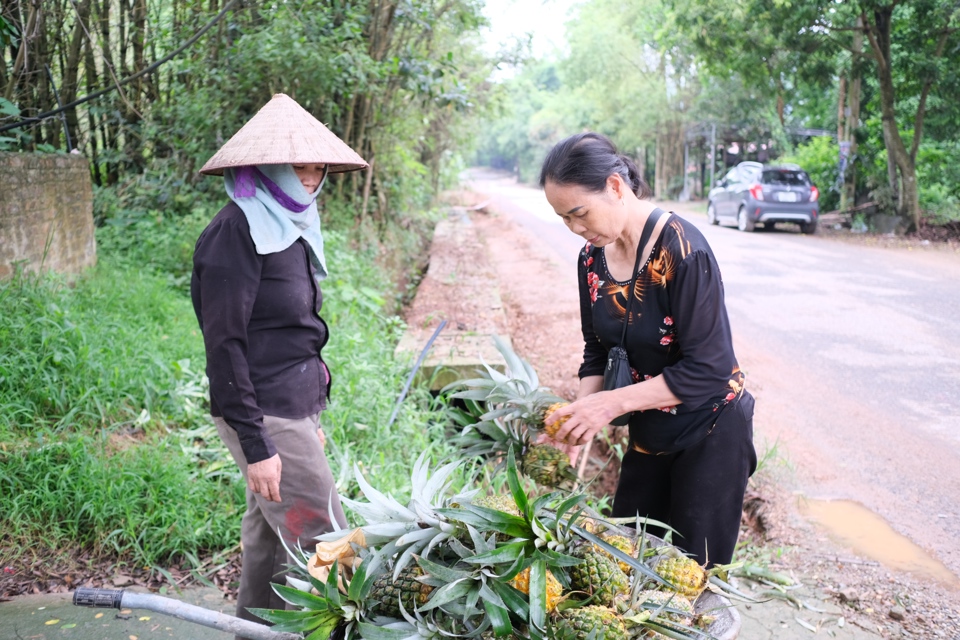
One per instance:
[(814, 194), (757, 192)]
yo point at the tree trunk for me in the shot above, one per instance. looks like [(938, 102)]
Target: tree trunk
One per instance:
[(71, 72), (852, 118), (669, 158), (898, 157), (90, 77)]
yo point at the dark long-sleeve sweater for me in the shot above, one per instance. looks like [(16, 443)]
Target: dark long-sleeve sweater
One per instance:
[(678, 327), (259, 315)]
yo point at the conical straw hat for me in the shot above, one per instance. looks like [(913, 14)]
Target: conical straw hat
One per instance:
[(283, 132)]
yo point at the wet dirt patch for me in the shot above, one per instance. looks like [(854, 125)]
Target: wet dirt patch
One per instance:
[(867, 534)]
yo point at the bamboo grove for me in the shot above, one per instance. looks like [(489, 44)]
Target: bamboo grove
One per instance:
[(394, 78)]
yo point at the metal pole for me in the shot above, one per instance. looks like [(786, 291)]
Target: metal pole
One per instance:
[(120, 599), (713, 153), (685, 192)]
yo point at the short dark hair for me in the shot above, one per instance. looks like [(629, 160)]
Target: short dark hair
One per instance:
[(588, 159)]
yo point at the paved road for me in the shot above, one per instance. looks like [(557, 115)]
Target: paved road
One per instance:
[(853, 353)]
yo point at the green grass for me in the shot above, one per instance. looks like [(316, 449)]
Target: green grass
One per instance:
[(97, 353), (143, 501), (105, 445)]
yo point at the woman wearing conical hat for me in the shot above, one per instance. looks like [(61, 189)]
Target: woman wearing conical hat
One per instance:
[(256, 291)]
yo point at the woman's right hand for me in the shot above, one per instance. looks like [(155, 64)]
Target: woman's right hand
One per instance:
[(264, 477)]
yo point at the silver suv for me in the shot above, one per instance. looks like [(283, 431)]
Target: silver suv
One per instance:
[(753, 193)]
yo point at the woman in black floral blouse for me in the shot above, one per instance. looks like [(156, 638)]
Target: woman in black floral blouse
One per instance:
[(691, 433)]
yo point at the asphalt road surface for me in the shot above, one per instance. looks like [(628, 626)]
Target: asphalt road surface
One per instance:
[(852, 351)]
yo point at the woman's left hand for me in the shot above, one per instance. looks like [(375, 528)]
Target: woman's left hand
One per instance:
[(587, 417), (322, 436)]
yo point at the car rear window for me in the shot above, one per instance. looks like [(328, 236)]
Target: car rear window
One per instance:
[(785, 177)]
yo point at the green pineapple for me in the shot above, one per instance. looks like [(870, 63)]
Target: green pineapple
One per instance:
[(387, 593), (592, 622), (682, 611), (597, 575), (547, 465)]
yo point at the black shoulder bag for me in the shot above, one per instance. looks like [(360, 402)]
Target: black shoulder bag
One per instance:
[(617, 373)]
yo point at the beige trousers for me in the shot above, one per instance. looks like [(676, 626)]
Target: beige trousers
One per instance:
[(307, 492)]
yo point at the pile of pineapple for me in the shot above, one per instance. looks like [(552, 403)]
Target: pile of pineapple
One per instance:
[(464, 564)]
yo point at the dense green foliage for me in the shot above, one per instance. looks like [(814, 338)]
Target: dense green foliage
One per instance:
[(395, 80), (769, 80)]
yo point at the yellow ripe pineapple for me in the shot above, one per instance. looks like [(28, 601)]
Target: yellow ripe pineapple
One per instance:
[(521, 582), (624, 544), (684, 574), (552, 429)]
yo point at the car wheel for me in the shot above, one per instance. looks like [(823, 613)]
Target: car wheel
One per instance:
[(809, 228), (712, 214), (744, 223)]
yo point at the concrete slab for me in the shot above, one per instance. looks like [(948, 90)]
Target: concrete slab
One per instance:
[(53, 616), (461, 287)]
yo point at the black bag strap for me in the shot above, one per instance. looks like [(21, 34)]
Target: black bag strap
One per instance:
[(643, 247)]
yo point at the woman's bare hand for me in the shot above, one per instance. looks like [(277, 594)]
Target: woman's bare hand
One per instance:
[(264, 477), (586, 418), (322, 436)]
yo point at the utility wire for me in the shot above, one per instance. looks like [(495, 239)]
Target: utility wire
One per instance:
[(153, 67)]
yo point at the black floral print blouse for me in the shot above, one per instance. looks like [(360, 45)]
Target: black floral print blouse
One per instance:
[(678, 327)]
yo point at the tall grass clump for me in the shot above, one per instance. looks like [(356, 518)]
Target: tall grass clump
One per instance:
[(139, 500), (94, 353)]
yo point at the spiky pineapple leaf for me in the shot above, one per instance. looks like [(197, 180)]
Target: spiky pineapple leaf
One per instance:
[(322, 633), (480, 544), (441, 572), (388, 504), (489, 595), (557, 559), (363, 579), (448, 593), (518, 565), (499, 618), (538, 594), (281, 615), (514, 600), (392, 631), (332, 591), (299, 622), (319, 621), (568, 504), (513, 481), (301, 598), (677, 633), (505, 553), (471, 383), (488, 520)]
